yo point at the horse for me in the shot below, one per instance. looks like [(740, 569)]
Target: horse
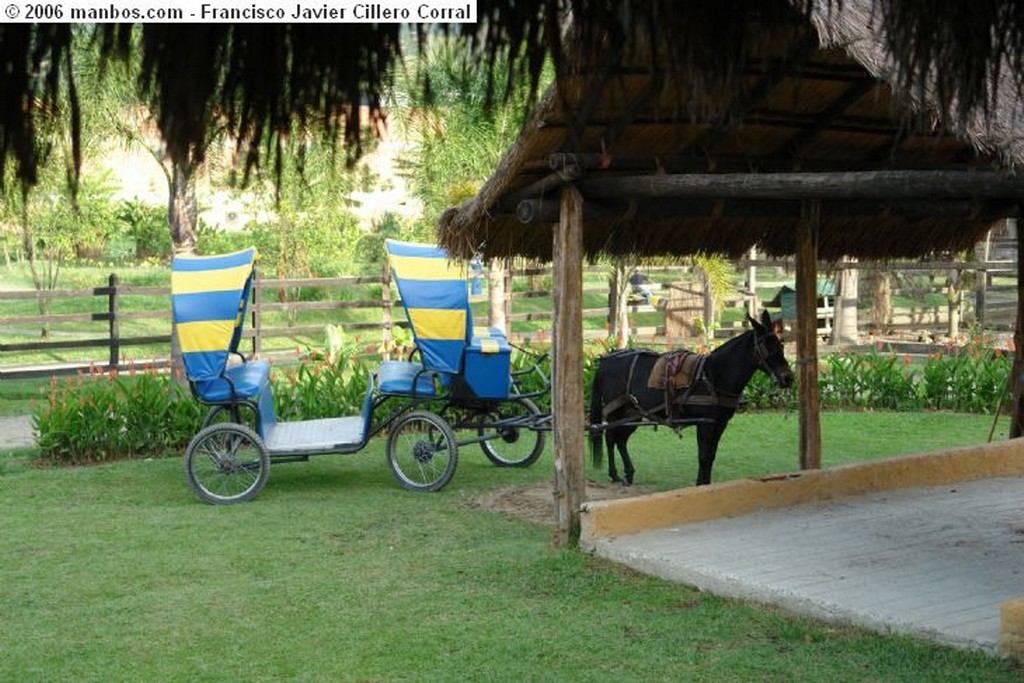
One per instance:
[(621, 399)]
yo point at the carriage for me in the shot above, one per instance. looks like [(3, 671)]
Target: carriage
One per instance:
[(457, 386)]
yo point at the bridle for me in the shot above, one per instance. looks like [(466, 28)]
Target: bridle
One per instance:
[(761, 354)]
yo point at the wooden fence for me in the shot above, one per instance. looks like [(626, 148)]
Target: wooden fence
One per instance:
[(103, 329)]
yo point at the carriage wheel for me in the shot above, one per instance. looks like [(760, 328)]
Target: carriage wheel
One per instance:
[(226, 463), (422, 451), (517, 446), (240, 413)]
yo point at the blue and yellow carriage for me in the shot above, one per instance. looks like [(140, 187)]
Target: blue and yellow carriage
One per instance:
[(456, 387)]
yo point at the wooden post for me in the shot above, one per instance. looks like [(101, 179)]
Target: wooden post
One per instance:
[(807, 337), (115, 332), (567, 392), (257, 315), (753, 305), (385, 301), (1017, 411)]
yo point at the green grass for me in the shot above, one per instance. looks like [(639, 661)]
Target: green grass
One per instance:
[(116, 573)]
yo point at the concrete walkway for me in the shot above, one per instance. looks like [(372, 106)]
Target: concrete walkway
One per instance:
[(932, 562), (16, 432)]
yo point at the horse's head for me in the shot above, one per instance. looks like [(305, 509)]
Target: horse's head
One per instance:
[(768, 351)]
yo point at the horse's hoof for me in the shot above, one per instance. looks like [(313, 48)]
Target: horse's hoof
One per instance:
[(615, 480)]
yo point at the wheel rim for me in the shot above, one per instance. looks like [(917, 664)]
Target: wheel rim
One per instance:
[(513, 446), (421, 453), (226, 465)]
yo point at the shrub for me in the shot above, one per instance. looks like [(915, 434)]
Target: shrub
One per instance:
[(101, 416), (965, 379)]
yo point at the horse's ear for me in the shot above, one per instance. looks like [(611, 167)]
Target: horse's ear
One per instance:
[(766, 320), (756, 325)]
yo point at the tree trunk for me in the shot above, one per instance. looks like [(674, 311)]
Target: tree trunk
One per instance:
[(844, 323), (618, 300), (881, 293), (954, 297), (182, 214), (182, 220), (496, 295)]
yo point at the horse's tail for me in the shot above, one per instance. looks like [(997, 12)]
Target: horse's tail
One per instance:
[(596, 418)]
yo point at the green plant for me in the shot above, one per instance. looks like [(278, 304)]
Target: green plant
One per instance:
[(325, 383), (102, 416)]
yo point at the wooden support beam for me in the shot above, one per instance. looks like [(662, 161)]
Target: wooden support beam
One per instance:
[(567, 392), (547, 185), (894, 185), (807, 338), (1017, 369), (808, 136), (662, 208)]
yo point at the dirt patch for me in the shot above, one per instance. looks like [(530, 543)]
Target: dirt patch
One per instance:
[(536, 503)]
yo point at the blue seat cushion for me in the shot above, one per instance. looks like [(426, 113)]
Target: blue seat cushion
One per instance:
[(248, 380), (397, 376)]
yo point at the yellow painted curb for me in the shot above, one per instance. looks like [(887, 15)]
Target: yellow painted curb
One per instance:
[(601, 519), (1011, 628)]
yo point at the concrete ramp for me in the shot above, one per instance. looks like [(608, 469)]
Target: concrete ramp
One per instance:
[(929, 545)]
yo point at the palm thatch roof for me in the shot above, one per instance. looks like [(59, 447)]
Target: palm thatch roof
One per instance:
[(819, 107), (258, 79)]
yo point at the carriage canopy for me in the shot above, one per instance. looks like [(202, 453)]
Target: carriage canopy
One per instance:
[(209, 297), (435, 293)]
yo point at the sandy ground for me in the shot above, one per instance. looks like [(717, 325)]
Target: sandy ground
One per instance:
[(537, 504)]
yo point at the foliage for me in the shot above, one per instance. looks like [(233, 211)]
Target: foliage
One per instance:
[(964, 379), (102, 416), (327, 383), (461, 138), (147, 225)]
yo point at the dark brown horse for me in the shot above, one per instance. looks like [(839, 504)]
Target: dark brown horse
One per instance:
[(621, 401)]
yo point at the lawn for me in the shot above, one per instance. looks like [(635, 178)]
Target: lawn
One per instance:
[(116, 573)]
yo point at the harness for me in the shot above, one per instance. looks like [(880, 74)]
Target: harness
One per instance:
[(698, 391)]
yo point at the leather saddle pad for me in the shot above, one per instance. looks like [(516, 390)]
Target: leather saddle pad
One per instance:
[(678, 367)]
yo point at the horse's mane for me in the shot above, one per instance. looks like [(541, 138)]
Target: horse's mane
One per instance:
[(727, 346)]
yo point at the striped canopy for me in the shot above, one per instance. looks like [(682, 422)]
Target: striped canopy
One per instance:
[(209, 296), (435, 293)]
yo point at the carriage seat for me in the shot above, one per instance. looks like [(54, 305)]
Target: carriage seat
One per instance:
[(248, 380), (487, 366), (397, 377)]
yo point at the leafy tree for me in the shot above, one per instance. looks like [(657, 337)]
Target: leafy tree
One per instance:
[(461, 133)]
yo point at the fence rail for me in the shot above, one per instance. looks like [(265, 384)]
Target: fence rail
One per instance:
[(118, 305)]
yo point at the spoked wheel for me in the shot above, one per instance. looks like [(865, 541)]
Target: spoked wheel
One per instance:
[(515, 445), (422, 451), (241, 413), (227, 463)]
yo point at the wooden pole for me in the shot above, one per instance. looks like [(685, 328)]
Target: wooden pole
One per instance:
[(115, 332), (1017, 411), (257, 316), (807, 338), (385, 301), (567, 392)]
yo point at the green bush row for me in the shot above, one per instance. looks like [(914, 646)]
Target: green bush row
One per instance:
[(100, 416), (969, 379)]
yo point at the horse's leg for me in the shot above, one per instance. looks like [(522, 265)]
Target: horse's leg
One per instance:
[(627, 462), (610, 440), (708, 436)]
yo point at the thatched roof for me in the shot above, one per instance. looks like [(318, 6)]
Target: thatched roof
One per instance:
[(257, 79), (819, 93)]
